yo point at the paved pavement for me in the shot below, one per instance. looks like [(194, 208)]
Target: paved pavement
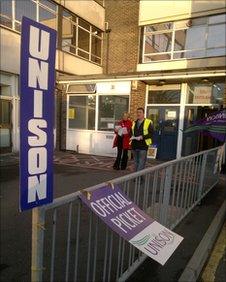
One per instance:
[(192, 228), (77, 160), (16, 226), (215, 269)]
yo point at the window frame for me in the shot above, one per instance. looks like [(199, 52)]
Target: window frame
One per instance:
[(91, 57), (97, 95), (173, 30), (91, 34), (68, 104)]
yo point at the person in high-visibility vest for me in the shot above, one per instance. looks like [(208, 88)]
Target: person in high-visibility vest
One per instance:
[(141, 139)]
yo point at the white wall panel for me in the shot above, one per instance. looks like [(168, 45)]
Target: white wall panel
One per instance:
[(10, 57), (90, 142), (159, 11)]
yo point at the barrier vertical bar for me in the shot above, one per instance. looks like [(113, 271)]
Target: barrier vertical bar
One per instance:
[(202, 175), (166, 195), (38, 229)]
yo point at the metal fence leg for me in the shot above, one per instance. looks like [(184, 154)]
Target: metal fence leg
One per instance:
[(202, 175), (38, 229), (166, 195)]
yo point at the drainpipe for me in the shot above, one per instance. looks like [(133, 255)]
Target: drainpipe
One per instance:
[(107, 31)]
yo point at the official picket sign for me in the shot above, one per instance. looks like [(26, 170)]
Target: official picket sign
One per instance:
[(37, 80), (131, 223)]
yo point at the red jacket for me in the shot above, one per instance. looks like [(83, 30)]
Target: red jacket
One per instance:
[(126, 137)]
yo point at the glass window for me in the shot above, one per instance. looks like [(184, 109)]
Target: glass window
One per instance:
[(158, 43), (69, 31), (111, 109), (47, 14), (193, 38), (6, 13), (52, 6), (81, 112), (25, 7), (5, 112), (80, 38), (209, 93), (96, 47), (84, 24), (164, 97), (83, 39)]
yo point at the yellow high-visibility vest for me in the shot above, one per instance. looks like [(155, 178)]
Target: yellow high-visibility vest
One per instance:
[(145, 130)]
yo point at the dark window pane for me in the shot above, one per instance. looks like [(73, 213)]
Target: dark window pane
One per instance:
[(96, 31), (5, 112), (95, 60), (83, 39), (164, 97), (96, 46), (111, 109), (25, 7), (84, 24), (83, 54), (6, 13), (82, 112)]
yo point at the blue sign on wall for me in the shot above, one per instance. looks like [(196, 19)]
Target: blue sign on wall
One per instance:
[(37, 78)]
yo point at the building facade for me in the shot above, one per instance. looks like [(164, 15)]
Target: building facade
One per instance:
[(119, 55), (80, 26), (172, 59)]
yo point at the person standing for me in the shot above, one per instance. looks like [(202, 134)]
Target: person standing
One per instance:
[(141, 139), (122, 142)]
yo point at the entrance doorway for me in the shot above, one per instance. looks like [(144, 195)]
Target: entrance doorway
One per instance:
[(163, 108), (5, 126), (165, 125)]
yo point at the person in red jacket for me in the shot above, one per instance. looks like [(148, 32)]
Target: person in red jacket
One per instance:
[(122, 141)]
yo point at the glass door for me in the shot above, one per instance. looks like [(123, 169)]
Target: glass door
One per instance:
[(165, 124), (163, 107), (5, 126)]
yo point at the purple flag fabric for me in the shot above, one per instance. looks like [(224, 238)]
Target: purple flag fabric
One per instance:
[(213, 125)]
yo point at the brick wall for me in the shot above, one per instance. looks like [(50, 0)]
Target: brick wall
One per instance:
[(137, 98), (120, 54)]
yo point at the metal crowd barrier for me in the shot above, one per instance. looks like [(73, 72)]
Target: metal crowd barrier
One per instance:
[(69, 243)]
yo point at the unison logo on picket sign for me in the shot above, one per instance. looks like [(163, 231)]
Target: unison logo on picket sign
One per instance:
[(38, 45), (156, 242)]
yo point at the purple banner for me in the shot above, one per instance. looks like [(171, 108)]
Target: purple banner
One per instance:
[(125, 218), (213, 125), (117, 211), (37, 80)]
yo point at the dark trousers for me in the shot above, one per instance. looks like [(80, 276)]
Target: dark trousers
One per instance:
[(140, 157), (122, 156)]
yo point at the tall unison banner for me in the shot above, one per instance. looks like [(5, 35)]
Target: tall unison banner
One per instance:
[(125, 218), (37, 82)]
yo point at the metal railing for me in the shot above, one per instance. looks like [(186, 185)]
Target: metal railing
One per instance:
[(69, 243)]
